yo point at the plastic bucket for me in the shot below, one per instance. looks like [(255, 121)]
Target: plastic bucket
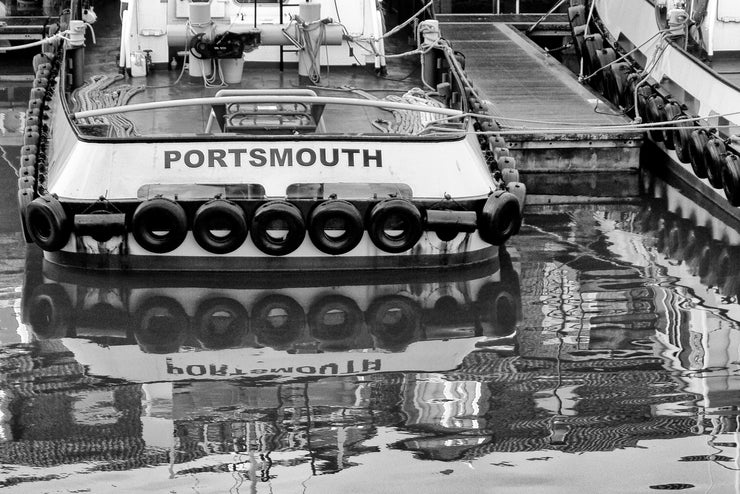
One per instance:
[(232, 69)]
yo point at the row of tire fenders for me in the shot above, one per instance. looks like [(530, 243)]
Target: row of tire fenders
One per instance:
[(220, 226), (276, 320), (709, 154)]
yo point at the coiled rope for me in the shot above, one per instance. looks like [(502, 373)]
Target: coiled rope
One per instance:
[(412, 122), (96, 94)]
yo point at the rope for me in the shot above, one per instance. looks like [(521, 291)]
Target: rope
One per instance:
[(314, 51), (93, 95), (411, 122)]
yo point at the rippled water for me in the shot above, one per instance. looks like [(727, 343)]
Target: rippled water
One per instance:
[(599, 353)]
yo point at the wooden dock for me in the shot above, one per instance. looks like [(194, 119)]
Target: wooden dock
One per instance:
[(522, 81)]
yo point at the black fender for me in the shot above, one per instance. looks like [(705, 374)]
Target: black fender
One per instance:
[(395, 225), (47, 223), (337, 216), (278, 215), (224, 216), (159, 225), (500, 218)]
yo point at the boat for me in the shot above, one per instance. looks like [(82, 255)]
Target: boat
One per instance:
[(675, 67), (258, 136)]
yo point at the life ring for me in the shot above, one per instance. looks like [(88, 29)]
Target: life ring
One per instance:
[(335, 227), (682, 138), (394, 321), (335, 318), (697, 143), (220, 323), (220, 226), (656, 113), (277, 321), (672, 110), (395, 225), (500, 218), (161, 325), (714, 152), (278, 228), (731, 178), (159, 225), (47, 223), (50, 311)]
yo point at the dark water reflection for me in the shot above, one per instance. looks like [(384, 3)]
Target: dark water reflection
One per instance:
[(599, 352)]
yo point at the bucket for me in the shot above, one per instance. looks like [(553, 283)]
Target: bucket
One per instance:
[(138, 64), (232, 69), (198, 67)]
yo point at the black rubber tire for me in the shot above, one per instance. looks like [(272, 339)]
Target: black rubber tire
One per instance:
[(656, 113), (681, 139), (498, 309), (348, 316), (343, 216), (621, 71), (220, 214), (282, 214), (159, 225), (279, 329), (714, 153), (220, 323), (394, 321), (162, 325), (672, 111), (50, 312), (731, 178), (396, 214), (697, 143), (608, 82), (47, 223), (500, 219)]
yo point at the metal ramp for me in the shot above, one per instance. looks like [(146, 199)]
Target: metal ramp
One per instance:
[(522, 81)]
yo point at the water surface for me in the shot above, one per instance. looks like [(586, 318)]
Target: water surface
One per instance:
[(599, 352)]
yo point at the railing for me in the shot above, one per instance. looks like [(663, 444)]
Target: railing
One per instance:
[(326, 100)]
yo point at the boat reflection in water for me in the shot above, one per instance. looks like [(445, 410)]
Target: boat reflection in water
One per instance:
[(241, 365), (554, 361)]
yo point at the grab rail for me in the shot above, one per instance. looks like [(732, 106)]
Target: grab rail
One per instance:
[(154, 105)]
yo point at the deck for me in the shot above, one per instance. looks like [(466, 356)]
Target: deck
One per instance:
[(523, 82)]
